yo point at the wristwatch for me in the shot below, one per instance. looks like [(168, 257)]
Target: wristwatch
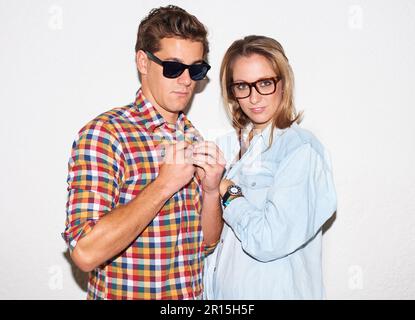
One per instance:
[(232, 191)]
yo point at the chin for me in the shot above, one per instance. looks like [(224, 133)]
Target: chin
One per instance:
[(260, 120), (178, 107)]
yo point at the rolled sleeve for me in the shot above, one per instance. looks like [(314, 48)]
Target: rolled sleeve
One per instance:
[(95, 170), (301, 198)]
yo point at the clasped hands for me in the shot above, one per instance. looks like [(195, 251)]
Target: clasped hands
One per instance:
[(183, 160)]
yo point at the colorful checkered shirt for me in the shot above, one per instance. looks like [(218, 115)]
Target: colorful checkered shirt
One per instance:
[(113, 158)]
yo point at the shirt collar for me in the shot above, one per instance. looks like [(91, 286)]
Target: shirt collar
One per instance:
[(264, 135), (152, 119)]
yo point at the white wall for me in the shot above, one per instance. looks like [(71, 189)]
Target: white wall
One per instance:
[(64, 62)]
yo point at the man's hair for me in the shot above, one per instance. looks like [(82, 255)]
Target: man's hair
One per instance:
[(169, 22), (272, 50)]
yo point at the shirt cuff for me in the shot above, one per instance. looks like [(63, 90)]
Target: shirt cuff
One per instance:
[(73, 235), (234, 212)]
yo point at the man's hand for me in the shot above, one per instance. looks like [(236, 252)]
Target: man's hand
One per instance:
[(210, 165), (177, 169)]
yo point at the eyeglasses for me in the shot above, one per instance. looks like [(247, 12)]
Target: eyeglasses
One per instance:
[(173, 69), (264, 87)]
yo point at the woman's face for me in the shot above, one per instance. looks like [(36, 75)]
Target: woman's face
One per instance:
[(260, 109)]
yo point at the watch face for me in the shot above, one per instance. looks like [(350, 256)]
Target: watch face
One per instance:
[(235, 190)]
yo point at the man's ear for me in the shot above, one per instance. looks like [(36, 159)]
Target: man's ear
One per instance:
[(141, 60)]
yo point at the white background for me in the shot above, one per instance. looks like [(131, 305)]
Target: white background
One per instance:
[(64, 62)]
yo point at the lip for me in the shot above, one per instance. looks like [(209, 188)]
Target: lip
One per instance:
[(257, 110), (181, 93)]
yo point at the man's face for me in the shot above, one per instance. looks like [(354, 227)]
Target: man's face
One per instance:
[(169, 96)]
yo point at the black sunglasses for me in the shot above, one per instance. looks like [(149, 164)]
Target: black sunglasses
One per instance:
[(173, 69)]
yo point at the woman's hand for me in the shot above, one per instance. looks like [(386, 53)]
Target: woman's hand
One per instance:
[(224, 184), (210, 164)]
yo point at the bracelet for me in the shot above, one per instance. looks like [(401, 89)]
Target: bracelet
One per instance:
[(228, 201)]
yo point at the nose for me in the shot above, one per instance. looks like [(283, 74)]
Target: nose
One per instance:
[(255, 96), (185, 79)]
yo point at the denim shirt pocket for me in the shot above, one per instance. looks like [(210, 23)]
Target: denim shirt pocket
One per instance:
[(255, 186), (259, 177), (257, 181)]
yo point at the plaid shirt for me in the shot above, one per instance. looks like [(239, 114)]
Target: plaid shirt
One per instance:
[(113, 158)]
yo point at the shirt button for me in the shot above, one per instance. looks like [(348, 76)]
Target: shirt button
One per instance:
[(253, 184), (221, 240)]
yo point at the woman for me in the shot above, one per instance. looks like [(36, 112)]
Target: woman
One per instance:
[(277, 193)]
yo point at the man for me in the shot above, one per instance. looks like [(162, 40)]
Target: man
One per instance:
[(144, 206)]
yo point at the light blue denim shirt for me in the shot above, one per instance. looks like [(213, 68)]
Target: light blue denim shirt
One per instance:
[(270, 247)]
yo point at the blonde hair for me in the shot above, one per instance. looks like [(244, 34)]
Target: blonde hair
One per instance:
[(272, 50)]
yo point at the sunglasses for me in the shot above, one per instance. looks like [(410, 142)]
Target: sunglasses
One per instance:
[(173, 69)]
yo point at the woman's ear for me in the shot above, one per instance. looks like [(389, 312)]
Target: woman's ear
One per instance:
[(141, 61)]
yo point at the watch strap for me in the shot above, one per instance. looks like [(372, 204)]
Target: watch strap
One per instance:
[(226, 196)]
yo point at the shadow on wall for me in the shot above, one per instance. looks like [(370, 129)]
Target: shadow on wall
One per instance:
[(329, 222), (80, 277)]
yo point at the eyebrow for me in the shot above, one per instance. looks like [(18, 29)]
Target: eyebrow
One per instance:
[(181, 61), (259, 79)]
